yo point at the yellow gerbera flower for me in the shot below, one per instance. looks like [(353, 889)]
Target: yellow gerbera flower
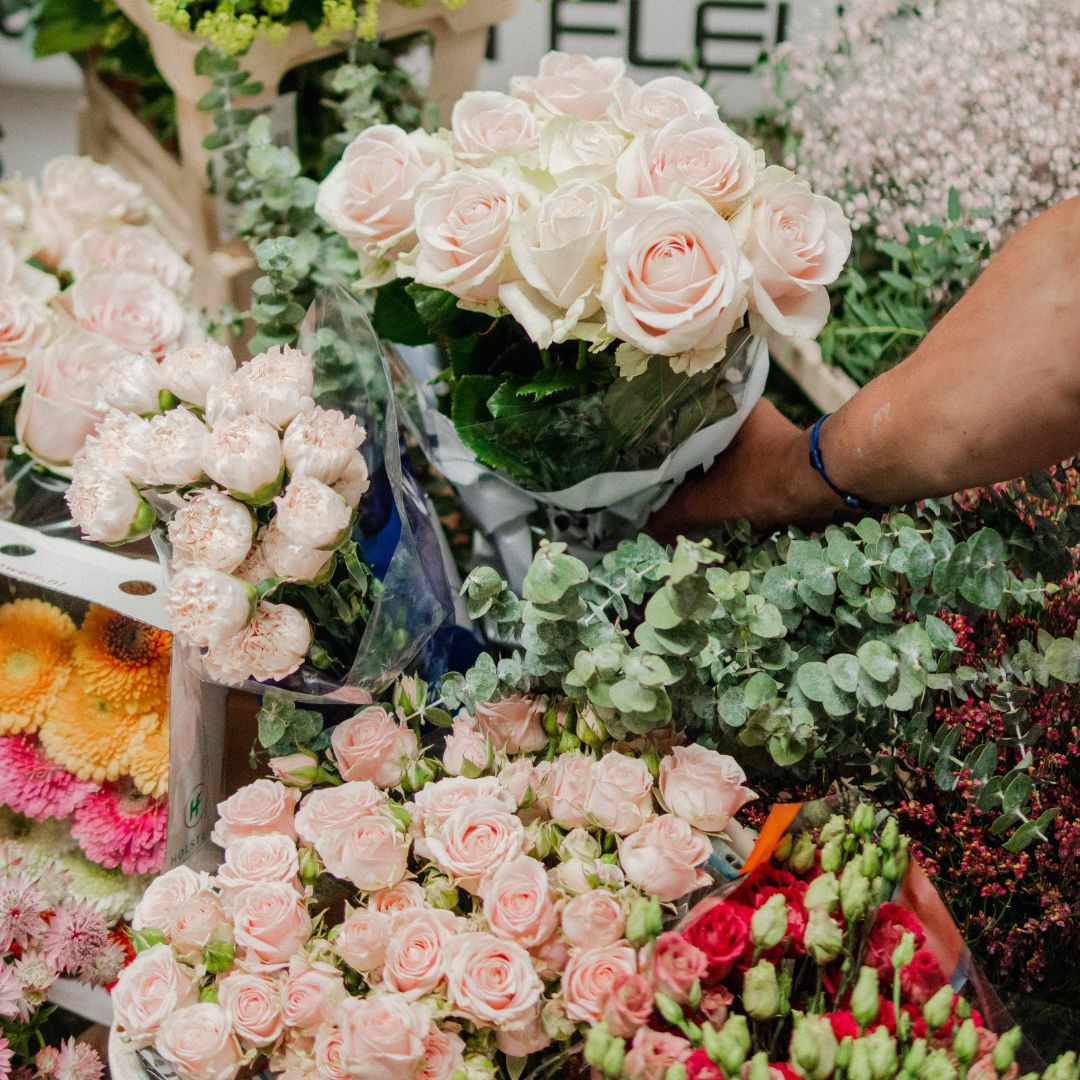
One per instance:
[(147, 760), (35, 662)]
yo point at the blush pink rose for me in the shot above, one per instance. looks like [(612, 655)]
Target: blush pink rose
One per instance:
[(195, 923), (150, 989), (373, 746), (310, 995), (475, 840), (327, 810), (361, 939), (620, 794), (491, 981), (590, 976), (629, 1006), (467, 751), (658, 102), (521, 779), (676, 281), (404, 896), (270, 922), (677, 965), (372, 854), (382, 1037), (522, 1041), (486, 124), (254, 1007), (663, 858), (652, 1053), (199, 1043), (703, 787), (593, 919), (261, 808), (444, 1054), (414, 954), (252, 859), (328, 1046), (140, 248), (518, 903), (166, 893), (436, 802), (515, 724), (564, 789), (462, 224), (798, 243), (571, 84), (552, 956)]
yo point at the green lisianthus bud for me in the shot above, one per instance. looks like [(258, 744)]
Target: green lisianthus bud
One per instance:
[(901, 858), (890, 836), (938, 1008), (864, 998), (965, 1041), (218, 957), (832, 855), (903, 952), (783, 849), (769, 923), (963, 1008), (823, 938), (675, 1071), (637, 922), (804, 1047), (551, 721), (733, 1044), (843, 1052), (1004, 1052), (759, 1066), (854, 893), (613, 1059), (823, 892), (1064, 1068), (802, 854), (916, 1055), (651, 757), (937, 1066), (710, 1041), (870, 860), (833, 829), (859, 1067), (882, 1054), (655, 916), (761, 992), (862, 821)]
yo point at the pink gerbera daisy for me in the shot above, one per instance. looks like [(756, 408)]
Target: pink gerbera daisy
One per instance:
[(5, 1059), (117, 826), (33, 784), (76, 934)]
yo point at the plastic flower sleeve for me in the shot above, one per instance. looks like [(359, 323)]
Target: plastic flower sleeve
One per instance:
[(589, 470)]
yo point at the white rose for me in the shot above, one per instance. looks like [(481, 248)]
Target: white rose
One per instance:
[(175, 447), (675, 280), (320, 443), (25, 325), (580, 149), (311, 514), (135, 310), (706, 158), (486, 124), (118, 445), (190, 373), (206, 606), (277, 384), (296, 562), (354, 481), (572, 84), (91, 191), (272, 646), (798, 243), (244, 455), (370, 195), (659, 101), (211, 530), (462, 223), (133, 385), (140, 248), (558, 247), (107, 507)]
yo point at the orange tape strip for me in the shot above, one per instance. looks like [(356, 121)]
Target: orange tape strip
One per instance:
[(781, 815)]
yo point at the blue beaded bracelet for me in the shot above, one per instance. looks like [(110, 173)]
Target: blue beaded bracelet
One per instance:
[(852, 501)]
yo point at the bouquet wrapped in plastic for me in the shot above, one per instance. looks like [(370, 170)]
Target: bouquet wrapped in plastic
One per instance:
[(597, 263)]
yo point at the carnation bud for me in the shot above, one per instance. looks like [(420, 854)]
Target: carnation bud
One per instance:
[(882, 1054), (802, 854), (914, 1058), (668, 1008), (854, 893), (890, 836), (613, 1060), (733, 1044), (832, 855), (440, 893), (833, 829), (759, 1066), (769, 923), (859, 1067), (208, 994), (903, 952), (965, 1041), (675, 1071), (823, 938), (1004, 1052), (864, 998), (596, 1045), (310, 867), (760, 991), (823, 892), (218, 957), (938, 1008), (870, 861), (862, 821), (937, 1066)]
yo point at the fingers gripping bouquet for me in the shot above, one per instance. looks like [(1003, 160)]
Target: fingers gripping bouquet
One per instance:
[(592, 257), (426, 918)]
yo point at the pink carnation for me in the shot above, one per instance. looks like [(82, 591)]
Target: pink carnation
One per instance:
[(33, 784), (118, 827)]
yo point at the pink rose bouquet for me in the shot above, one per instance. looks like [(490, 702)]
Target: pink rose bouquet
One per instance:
[(413, 922)]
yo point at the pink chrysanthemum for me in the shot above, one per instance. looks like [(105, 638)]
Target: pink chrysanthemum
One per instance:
[(21, 910), (117, 826), (76, 934), (33, 784), (5, 1059), (78, 1062)]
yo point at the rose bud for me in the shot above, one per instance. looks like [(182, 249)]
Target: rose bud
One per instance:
[(769, 923), (299, 770), (864, 998), (761, 992)]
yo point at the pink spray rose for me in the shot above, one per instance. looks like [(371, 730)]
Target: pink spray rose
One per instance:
[(677, 965), (652, 1052), (590, 977), (199, 1043), (593, 919), (361, 939), (254, 1006), (373, 746), (270, 922), (264, 857), (310, 996), (491, 982), (515, 724), (629, 1006), (518, 903), (565, 788), (372, 854), (260, 808), (703, 787), (382, 1037), (151, 988), (663, 858), (621, 794), (414, 954), (327, 810)]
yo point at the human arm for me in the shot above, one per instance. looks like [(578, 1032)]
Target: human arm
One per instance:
[(993, 392)]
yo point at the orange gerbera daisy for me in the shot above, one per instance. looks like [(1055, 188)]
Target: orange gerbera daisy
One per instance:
[(146, 760), (124, 661), (35, 662), (88, 734)]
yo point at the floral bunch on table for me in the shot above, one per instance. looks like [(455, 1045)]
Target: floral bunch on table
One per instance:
[(805, 969), (426, 916), (87, 283), (259, 486), (574, 234)]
